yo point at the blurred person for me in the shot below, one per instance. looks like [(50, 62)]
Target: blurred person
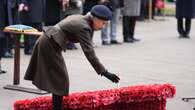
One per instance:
[(8, 17), (12, 18), (88, 4), (130, 12), (52, 11), (185, 11), (71, 7), (47, 69), (2, 25), (153, 6), (115, 7), (31, 14), (143, 10)]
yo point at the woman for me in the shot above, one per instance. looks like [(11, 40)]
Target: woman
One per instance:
[(47, 69)]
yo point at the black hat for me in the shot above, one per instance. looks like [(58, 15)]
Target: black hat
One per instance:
[(101, 12)]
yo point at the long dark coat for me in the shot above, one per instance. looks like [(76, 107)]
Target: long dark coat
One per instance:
[(185, 9), (88, 4), (8, 15), (52, 12), (35, 13), (47, 69), (2, 17)]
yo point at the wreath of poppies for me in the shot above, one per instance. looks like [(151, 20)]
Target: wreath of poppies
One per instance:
[(144, 97)]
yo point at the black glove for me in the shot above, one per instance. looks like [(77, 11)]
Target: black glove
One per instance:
[(114, 78)]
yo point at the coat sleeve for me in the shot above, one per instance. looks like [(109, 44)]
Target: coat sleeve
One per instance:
[(87, 47)]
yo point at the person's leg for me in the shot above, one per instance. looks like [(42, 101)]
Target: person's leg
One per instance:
[(142, 11), (126, 32), (113, 24), (132, 21), (187, 28), (71, 46), (1, 54), (132, 28), (57, 102), (153, 8), (8, 46), (1, 47), (104, 35), (26, 45), (180, 28), (29, 40)]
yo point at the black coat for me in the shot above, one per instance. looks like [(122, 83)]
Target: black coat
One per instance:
[(88, 4), (8, 14), (2, 17), (35, 12), (185, 9), (52, 12)]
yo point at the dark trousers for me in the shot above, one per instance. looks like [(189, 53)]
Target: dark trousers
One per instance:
[(129, 23), (30, 40), (9, 43), (143, 10), (2, 44), (6, 45), (57, 102), (183, 29), (153, 9)]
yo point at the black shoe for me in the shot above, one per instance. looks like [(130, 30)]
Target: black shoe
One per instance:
[(186, 36), (115, 42), (105, 43), (2, 71), (128, 40), (28, 52), (136, 40), (71, 46), (8, 55), (181, 36), (21, 45)]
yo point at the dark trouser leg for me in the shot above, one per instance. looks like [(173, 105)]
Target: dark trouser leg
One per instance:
[(57, 102), (1, 53), (187, 27), (8, 46), (125, 27), (26, 44), (180, 28), (132, 22), (153, 8), (30, 40), (128, 26), (2, 46)]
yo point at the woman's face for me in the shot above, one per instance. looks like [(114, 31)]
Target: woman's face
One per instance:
[(98, 24)]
